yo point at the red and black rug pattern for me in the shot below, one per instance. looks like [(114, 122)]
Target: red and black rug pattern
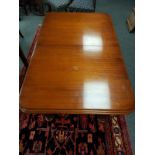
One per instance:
[(58, 134)]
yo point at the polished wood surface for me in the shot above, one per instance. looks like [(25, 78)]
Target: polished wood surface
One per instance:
[(77, 68)]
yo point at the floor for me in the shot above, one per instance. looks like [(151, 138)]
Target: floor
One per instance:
[(119, 10)]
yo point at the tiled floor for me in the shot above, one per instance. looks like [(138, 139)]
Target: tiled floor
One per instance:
[(119, 10)]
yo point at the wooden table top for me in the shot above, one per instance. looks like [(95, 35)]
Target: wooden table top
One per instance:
[(77, 67)]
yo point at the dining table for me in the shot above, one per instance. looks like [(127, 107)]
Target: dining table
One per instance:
[(77, 68)]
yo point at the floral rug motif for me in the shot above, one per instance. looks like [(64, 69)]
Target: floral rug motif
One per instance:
[(58, 134), (73, 135)]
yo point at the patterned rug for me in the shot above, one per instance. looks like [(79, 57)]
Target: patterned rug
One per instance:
[(58, 134)]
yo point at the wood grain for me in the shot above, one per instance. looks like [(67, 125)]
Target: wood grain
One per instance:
[(77, 68)]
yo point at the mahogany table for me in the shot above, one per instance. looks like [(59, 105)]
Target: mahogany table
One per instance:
[(77, 68)]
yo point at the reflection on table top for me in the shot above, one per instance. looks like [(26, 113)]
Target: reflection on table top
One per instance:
[(77, 68)]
